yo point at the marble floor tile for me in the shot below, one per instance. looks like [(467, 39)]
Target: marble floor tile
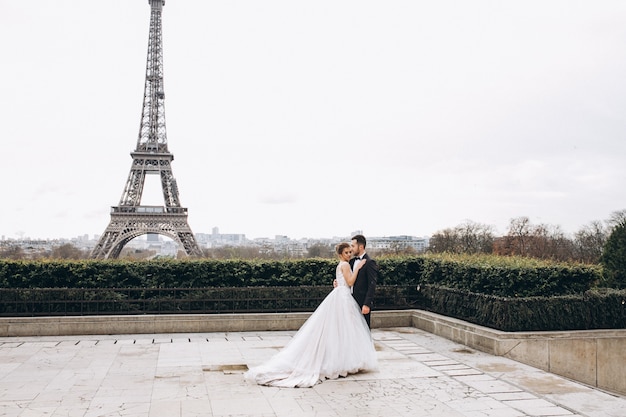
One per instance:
[(251, 406), (172, 375), (538, 407)]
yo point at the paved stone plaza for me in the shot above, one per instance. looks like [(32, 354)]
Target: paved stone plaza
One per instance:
[(170, 375)]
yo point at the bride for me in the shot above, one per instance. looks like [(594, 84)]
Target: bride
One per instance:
[(334, 341)]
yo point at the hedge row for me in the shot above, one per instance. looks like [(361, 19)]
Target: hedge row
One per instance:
[(95, 301), (510, 294), (164, 273), (490, 275), (594, 309), (510, 276)]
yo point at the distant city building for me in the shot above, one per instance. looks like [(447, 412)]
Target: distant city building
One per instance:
[(216, 239), (280, 244), (419, 244)]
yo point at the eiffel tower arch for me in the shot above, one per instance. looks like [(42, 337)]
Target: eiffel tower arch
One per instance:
[(130, 219)]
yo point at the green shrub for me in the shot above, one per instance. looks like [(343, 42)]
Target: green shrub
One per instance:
[(508, 276), (614, 257), (491, 275), (594, 309)]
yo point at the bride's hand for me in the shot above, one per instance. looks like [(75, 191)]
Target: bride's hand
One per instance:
[(360, 265)]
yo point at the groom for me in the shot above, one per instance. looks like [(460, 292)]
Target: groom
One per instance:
[(365, 284)]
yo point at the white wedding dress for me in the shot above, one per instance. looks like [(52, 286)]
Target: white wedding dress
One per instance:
[(335, 341)]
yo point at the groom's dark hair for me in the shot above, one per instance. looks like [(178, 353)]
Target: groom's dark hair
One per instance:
[(360, 240)]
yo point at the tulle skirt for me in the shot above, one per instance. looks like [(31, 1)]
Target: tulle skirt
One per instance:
[(335, 341)]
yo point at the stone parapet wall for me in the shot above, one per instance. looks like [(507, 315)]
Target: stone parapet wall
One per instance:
[(173, 323)]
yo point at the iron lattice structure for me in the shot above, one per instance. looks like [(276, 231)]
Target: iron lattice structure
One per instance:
[(151, 157)]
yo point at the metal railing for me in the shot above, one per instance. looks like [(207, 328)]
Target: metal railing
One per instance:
[(28, 302)]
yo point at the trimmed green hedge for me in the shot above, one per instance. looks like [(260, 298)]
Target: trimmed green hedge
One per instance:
[(595, 309), (506, 293), (507, 277), (98, 301), (164, 273)]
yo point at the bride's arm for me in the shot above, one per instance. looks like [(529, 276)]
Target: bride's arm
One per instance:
[(350, 276)]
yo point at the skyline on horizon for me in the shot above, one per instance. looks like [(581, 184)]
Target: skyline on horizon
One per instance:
[(96, 236)]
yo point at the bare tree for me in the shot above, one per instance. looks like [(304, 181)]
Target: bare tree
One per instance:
[(538, 241), (68, 251), (136, 254), (244, 252), (517, 240), (468, 237), (443, 241), (319, 250), (398, 248), (617, 218), (548, 242), (12, 252), (475, 237), (589, 242)]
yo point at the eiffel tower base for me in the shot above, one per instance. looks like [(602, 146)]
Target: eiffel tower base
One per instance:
[(124, 227)]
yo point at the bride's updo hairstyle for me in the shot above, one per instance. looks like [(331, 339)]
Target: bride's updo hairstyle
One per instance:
[(340, 247)]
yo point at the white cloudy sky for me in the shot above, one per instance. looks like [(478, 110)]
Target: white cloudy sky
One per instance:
[(437, 111)]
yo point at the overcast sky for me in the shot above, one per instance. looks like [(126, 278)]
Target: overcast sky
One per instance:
[(318, 118)]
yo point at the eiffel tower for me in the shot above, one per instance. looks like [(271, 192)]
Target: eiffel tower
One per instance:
[(151, 157)]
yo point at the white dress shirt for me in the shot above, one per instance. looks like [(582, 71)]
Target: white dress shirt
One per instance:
[(357, 261)]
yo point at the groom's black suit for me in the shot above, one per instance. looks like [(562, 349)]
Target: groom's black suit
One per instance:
[(365, 284)]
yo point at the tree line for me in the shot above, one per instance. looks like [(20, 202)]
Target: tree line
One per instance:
[(523, 238)]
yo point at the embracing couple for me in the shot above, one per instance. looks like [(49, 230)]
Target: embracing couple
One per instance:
[(335, 340), (366, 276)]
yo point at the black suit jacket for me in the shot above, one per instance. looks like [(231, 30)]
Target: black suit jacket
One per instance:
[(365, 284)]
